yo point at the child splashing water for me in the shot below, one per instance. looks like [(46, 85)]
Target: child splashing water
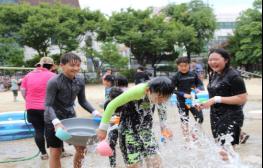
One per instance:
[(137, 140), (184, 81)]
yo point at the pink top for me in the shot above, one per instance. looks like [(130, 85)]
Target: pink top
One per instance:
[(35, 84)]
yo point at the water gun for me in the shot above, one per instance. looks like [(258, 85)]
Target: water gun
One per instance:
[(173, 99), (197, 99), (166, 134), (114, 120)]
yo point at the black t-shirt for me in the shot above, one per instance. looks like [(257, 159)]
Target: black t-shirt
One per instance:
[(141, 77), (185, 82), (226, 85)]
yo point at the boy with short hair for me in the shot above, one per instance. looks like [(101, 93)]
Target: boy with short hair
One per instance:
[(137, 140), (62, 91), (184, 82)]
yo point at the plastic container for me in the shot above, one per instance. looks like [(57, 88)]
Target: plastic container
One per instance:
[(173, 99), (63, 135), (104, 149), (203, 97)]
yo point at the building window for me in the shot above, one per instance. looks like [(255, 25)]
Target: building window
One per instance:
[(226, 25)]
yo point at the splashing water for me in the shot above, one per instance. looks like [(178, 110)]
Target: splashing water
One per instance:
[(201, 151)]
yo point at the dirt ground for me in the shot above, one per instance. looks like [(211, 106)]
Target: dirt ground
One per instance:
[(250, 152)]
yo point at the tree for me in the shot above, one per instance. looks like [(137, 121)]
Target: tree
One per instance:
[(246, 43), (146, 34), (12, 17), (199, 22), (108, 56), (73, 25), (11, 54), (38, 30), (111, 56)]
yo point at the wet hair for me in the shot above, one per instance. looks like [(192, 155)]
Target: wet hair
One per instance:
[(68, 57), (47, 66), (110, 78), (224, 54), (182, 60), (162, 86), (121, 81)]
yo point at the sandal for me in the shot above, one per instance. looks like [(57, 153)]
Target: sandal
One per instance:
[(65, 154), (44, 157)]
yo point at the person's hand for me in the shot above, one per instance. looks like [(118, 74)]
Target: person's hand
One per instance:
[(167, 133), (198, 107), (187, 96), (101, 134), (59, 125), (198, 90), (96, 114), (208, 104)]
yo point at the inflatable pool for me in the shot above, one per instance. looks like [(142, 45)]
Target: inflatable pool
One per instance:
[(13, 126)]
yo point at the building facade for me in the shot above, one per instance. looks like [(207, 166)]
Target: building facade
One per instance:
[(226, 24)]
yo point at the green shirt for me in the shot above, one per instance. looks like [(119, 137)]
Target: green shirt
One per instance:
[(135, 93)]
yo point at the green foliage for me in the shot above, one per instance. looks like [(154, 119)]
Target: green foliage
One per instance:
[(11, 54), (12, 17), (33, 61), (195, 23), (110, 55), (129, 74), (38, 30), (41, 26), (56, 58), (148, 36), (246, 44)]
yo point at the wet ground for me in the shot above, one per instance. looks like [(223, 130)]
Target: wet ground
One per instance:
[(175, 154)]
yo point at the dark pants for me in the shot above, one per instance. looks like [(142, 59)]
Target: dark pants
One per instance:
[(184, 113), (113, 139), (226, 122), (36, 118)]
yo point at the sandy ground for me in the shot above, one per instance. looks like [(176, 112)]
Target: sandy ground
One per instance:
[(250, 153)]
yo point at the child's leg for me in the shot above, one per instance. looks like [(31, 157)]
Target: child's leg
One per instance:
[(113, 138), (154, 161), (54, 160), (55, 146), (184, 115), (150, 148), (15, 93), (131, 148), (79, 156), (198, 115)]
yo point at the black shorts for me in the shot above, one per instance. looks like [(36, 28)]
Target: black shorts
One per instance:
[(15, 93), (52, 140), (227, 125)]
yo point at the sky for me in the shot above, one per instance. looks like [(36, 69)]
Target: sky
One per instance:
[(219, 6)]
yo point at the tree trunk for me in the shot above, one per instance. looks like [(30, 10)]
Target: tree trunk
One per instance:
[(154, 70), (189, 55)]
